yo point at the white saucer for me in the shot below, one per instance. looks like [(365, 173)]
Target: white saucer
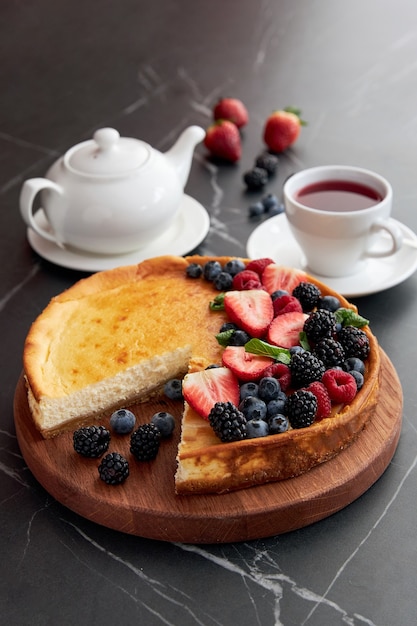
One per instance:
[(188, 230), (273, 238)]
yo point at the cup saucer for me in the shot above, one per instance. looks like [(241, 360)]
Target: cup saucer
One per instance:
[(273, 238), (186, 233)]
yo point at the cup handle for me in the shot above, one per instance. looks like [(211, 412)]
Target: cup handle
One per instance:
[(390, 227), (28, 193)]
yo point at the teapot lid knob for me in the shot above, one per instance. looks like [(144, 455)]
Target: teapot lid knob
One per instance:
[(106, 138)]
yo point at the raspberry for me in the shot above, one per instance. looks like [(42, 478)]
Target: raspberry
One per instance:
[(319, 324), (228, 422), (113, 469), (258, 265), (246, 280), (281, 372), (340, 385), (301, 408), (324, 404), (305, 369), (308, 295), (355, 342), (329, 351), (286, 304), (91, 441), (144, 442)]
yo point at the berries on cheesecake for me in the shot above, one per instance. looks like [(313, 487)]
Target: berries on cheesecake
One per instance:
[(228, 422)]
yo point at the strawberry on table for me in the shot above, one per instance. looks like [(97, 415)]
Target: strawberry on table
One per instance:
[(251, 310), (203, 389), (244, 365), (223, 141), (282, 128), (233, 110)]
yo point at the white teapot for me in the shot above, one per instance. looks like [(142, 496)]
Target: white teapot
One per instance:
[(111, 195)]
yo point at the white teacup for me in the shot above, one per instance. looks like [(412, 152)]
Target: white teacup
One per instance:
[(334, 212)]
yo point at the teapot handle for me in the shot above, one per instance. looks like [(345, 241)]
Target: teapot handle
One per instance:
[(28, 193)]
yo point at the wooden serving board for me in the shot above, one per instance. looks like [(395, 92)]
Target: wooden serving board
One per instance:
[(146, 505)]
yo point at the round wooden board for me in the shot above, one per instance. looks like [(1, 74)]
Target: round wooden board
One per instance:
[(146, 504)]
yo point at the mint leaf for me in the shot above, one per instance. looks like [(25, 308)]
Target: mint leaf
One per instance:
[(348, 317), (218, 303), (224, 337), (304, 341), (262, 348)]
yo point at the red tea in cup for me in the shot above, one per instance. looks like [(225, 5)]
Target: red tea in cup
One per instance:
[(338, 195)]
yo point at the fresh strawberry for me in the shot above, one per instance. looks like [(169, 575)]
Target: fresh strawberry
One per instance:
[(324, 404), (281, 372), (286, 304), (284, 330), (282, 129), (251, 310), (246, 279), (203, 389), (277, 277), (223, 141), (258, 265), (340, 385), (233, 110), (244, 365)]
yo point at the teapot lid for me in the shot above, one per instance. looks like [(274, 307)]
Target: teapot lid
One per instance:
[(107, 154)]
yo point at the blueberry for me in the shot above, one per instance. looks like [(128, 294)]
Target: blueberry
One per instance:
[(277, 406), (223, 281), (211, 269), (257, 427), (330, 303), (228, 326), (253, 407), (278, 424), (234, 266), (173, 389), (194, 270), (276, 210), (359, 379), (248, 389), (239, 338), (165, 423), (353, 363), (269, 202), (255, 209), (269, 388), (122, 421), (278, 293), (296, 350)]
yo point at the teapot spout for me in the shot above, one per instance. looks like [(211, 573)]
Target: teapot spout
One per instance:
[(181, 153)]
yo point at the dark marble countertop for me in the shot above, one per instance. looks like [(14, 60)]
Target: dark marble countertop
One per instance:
[(150, 69)]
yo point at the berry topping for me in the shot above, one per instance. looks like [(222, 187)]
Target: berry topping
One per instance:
[(173, 389), (340, 385), (233, 110), (308, 295), (165, 423), (305, 369), (301, 408), (113, 469), (259, 265), (257, 428), (281, 372), (211, 269), (245, 280), (285, 329), (331, 303), (268, 162), (223, 281), (329, 351), (252, 310), (91, 441), (286, 304), (203, 389), (228, 422), (245, 365), (253, 407), (255, 178), (277, 406), (278, 424), (277, 277), (269, 388), (354, 364), (194, 270), (144, 442), (239, 338), (248, 389), (355, 342), (324, 404), (234, 266), (320, 324), (122, 421)]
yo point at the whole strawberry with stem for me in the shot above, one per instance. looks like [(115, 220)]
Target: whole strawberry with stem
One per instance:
[(282, 128), (233, 110), (223, 141)]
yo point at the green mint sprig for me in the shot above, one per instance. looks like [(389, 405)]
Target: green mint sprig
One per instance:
[(224, 337), (348, 317), (262, 348), (218, 303)]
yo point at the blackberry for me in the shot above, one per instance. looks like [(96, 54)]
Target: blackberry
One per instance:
[(113, 469), (308, 295), (268, 162), (255, 178), (329, 351), (320, 324), (301, 409), (144, 442), (194, 270), (91, 441), (355, 342), (305, 368), (228, 422)]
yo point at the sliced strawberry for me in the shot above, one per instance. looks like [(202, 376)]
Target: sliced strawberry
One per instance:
[(258, 265), (340, 384), (287, 304), (251, 310), (245, 280), (203, 389), (276, 277), (244, 365), (285, 329), (281, 372), (324, 404)]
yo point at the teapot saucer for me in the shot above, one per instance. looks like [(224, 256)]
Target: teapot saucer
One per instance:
[(188, 230), (273, 238)]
